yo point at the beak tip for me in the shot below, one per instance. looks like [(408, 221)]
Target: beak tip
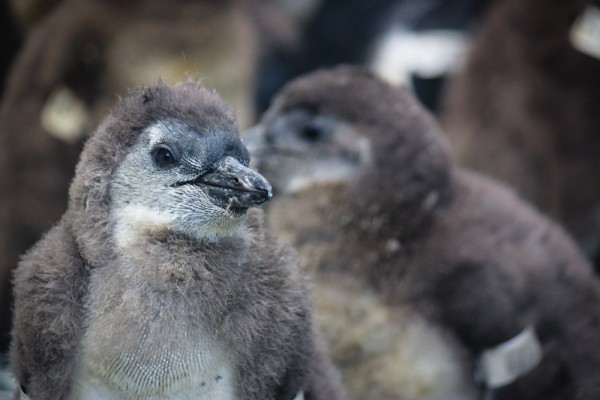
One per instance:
[(265, 187), (267, 195)]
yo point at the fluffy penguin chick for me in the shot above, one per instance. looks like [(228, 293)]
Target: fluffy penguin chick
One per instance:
[(524, 110), (432, 256), (157, 283)]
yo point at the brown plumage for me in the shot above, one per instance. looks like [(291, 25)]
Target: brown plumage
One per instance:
[(154, 279), (525, 111), (29, 13), (366, 191), (72, 68)]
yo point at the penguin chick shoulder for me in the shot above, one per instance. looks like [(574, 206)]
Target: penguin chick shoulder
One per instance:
[(367, 193), (158, 282)]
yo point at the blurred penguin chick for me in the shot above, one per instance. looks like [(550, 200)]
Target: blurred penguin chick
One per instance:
[(410, 252), (524, 110)]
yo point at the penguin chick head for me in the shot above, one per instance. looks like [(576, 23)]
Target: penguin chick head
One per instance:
[(166, 159), (344, 141), (311, 134), (302, 148), (181, 179), (344, 125)]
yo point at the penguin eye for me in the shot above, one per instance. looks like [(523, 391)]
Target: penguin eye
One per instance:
[(311, 132), (163, 156)]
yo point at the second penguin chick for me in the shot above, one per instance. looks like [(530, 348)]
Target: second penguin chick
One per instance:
[(449, 273), (158, 282)]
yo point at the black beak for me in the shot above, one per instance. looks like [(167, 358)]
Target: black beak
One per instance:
[(236, 186)]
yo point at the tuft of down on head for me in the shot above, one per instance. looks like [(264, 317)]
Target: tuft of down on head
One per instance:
[(165, 160), (345, 126)]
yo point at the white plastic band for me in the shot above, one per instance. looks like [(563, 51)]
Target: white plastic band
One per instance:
[(508, 361), (585, 33), (22, 395), (299, 396)]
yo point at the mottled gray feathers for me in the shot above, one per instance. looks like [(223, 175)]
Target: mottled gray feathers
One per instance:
[(243, 290)]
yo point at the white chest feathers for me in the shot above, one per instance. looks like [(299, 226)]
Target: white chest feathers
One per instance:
[(137, 349), (200, 374)]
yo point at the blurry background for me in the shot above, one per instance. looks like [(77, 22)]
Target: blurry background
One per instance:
[(516, 83)]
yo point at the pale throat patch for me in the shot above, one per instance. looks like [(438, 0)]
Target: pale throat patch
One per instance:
[(331, 171), (327, 173), (133, 222)]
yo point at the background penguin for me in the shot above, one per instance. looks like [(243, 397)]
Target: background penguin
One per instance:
[(155, 283), (417, 43), (433, 256), (525, 109), (75, 62)]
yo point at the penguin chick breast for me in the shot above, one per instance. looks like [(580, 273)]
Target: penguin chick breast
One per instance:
[(124, 351)]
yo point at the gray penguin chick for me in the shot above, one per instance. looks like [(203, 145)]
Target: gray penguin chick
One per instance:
[(426, 273), (158, 282)]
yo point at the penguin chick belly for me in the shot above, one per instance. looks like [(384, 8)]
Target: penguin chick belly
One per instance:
[(142, 348), (388, 352)]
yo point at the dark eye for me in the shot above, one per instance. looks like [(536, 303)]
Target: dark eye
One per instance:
[(312, 132), (163, 156)]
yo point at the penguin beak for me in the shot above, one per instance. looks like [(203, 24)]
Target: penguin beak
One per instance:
[(236, 186)]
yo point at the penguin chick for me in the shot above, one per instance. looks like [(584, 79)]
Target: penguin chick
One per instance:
[(524, 109), (64, 80), (448, 259), (158, 282)]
